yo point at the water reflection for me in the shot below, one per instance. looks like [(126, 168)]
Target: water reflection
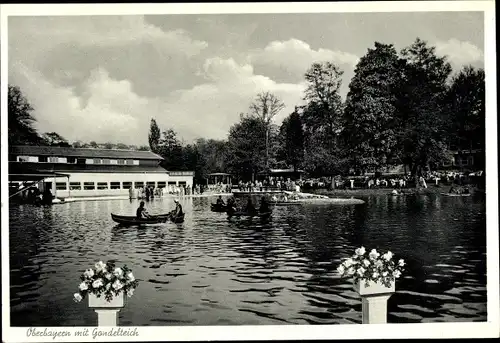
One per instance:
[(214, 271)]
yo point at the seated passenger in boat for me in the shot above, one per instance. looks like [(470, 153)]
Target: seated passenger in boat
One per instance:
[(177, 212), (220, 202), (264, 205), (141, 212), (250, 208)]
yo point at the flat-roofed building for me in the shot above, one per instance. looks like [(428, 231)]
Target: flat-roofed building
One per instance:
[(74, 172)]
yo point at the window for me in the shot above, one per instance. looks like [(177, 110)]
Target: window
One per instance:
[(71, 160), (129, 162), (182, 183), (105, 161), (151, 184), (42, 158), (88, 185), (127, 185), (162, 184), (102, 185), (97, 161), (135, 162), (172, 183), (89, 161), (113, 162), (81, 161), (121, 161), (61, 186), (138, 184), (75, 186), (27, 158), (114, 185)]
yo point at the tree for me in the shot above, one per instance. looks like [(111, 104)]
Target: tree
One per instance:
[(370, 111), (93, 144), (422, 122), (292, 136), (265, 107), (54, 139), (154, 136), (247, 148), (20, 119), (322, 119), (171, 150)]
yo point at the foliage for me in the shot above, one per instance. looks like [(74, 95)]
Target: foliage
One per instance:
[(170, 149), (247, 148), (54, 139), (154, 136), (371, 267), (20, 119), (370, 113), (422, 124), (108, 280), (292, 140), (465, 100)]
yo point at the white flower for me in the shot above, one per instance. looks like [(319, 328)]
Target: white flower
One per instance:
[(384, 274), (118, 272), (366, 263), (360, 251), (397, 274), (130, 292), (100, 266), (83, 286), (388, 256), (341, 269), (77, 297), (375, 275), (351, 271), (379, 263), (374, 254), (401, 263), (117, 285), (108, 276), (88, 273), (349, 262), (130, 277), (97, 283), (361, 271), (108, 286)]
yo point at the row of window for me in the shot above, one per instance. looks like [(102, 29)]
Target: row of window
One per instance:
[(77, 186), (75, 160)]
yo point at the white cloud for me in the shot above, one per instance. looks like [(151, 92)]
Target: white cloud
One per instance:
[(459, 52), (296, 56)]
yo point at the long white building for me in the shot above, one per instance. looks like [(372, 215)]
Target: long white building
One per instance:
[(72, 172)]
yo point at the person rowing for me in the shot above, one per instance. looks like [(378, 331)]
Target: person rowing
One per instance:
[(220, 202), (141, 212), (264, 205), (177, 212), (250, 208)]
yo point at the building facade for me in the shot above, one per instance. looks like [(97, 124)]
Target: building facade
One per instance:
[(90, 172)]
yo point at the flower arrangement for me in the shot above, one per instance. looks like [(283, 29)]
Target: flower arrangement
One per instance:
[(106, 279), (373, 266)]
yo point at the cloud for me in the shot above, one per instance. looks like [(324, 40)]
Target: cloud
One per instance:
[(109, 110), (460, 52), (295, 56)]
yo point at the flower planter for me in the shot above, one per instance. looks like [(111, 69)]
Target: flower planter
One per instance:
[(373, 288), (118, 301)]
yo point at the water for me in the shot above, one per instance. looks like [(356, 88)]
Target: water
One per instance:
[(211, 271)]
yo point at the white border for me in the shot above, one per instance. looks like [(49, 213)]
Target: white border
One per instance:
[(491, 328)]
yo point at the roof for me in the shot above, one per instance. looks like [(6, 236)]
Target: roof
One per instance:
[(29, 167), (33, 150), (219, 174)]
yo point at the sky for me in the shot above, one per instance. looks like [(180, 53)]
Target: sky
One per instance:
[(103, 78)]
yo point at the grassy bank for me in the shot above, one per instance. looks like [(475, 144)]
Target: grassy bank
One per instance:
[(381, 191)]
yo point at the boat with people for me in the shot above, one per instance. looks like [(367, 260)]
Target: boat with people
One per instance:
[(133, 220), (218, 208)]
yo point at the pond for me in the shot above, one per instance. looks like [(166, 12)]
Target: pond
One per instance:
[(214, 271)]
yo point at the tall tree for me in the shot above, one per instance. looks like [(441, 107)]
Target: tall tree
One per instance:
[(322, 119), (265, 107), (20, 119), (292, 136), (370, 111), (171, 150), (422, 117), (154, 136), (247, 148)]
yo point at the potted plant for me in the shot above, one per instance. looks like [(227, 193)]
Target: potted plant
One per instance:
[(106, 285), (372, 273)]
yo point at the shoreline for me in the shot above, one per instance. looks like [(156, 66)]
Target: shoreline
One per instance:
[(386, 191), (125, 197)]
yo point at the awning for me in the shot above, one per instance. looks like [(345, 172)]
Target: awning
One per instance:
[(34, 177)]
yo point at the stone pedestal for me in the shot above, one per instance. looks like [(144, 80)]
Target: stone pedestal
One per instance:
[(374, 298), (107, 311)]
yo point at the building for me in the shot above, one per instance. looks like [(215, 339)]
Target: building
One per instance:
[(72, 172)]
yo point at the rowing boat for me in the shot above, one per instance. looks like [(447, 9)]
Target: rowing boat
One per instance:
[(456, 195), (218, 208), (250, 215), (132, 220)]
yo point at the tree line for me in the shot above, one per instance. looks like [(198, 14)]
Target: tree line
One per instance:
[(402, 108)]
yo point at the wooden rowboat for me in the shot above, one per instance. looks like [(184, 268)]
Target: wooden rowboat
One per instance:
[(218, 208), (132, 220)]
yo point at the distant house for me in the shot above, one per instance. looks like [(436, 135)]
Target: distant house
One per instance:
[(74, 172)]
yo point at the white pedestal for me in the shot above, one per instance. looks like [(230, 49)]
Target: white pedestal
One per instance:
[(107, 311), (374, 301)]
